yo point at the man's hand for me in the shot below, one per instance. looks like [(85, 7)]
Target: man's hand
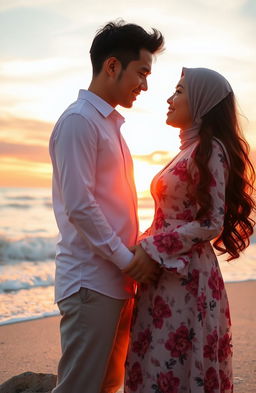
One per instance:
[(142, 268)]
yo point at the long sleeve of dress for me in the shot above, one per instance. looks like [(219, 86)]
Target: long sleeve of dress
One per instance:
[(171, 247)]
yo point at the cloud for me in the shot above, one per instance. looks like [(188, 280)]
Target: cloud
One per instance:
[(32, 153), (158, 157), (29, 31), (39, 153), (28, 124), (46, 55), (12, 4), (29, 70), (227, 4), (26, 130)]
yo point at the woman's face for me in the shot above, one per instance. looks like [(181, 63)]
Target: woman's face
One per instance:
[(179, 115)]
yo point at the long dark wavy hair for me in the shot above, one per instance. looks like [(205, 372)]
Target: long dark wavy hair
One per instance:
[(221, 122)]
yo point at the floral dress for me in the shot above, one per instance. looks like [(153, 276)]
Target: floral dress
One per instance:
[(181, 338)]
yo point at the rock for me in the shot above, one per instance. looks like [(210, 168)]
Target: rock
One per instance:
[(29, 382)]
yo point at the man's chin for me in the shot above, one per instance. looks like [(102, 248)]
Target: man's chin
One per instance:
[(127, 104)]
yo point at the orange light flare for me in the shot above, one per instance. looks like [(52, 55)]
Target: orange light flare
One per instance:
[(146, 167)]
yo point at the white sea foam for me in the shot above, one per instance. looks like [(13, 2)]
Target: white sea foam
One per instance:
[(15, 206), (24, 317), (27, 248), (26, 275), (20, 198), (27, 304)]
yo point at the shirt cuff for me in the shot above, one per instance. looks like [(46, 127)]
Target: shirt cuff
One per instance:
[(122, 257)]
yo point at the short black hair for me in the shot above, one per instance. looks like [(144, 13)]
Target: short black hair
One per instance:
[(123, 41)]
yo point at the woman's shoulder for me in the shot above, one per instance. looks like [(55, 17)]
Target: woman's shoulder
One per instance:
[(218, 148), (221, 150)]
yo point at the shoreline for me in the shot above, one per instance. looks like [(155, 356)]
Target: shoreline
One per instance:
[(34, 345), (13, 321), (35, 318)]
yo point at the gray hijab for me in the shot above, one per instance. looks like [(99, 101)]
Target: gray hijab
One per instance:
[(205, 89)]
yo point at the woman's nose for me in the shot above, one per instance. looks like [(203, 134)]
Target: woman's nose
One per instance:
[(170, 100)]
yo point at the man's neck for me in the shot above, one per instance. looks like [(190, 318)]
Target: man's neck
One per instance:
[(99, 88)]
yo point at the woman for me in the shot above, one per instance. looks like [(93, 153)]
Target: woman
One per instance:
[(181, 338)]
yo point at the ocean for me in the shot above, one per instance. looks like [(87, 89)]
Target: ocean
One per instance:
[(27, 247)]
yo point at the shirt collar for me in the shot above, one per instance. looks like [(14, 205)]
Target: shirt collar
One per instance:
[(101, 105)]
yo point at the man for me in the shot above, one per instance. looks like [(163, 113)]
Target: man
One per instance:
[(95, 205)]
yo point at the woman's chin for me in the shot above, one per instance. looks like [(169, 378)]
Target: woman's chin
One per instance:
[(171, 123)]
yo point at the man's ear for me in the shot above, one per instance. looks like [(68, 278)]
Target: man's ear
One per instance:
[(112, 66)]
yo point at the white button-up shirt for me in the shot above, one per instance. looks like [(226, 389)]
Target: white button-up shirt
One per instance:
[(94, 199)]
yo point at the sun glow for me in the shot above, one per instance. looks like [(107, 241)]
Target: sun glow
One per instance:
[(143, 174), (24, 174), (35, 67)]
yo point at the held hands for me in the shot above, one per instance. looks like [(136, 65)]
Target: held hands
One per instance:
[(142, 268)]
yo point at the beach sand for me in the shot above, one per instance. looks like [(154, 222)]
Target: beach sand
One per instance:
[(35, 345)]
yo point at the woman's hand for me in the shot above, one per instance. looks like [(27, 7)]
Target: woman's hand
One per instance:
[(142, 268)]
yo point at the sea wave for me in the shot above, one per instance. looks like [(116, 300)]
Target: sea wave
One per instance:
[(22, 206), (27, 304), (25, 275), (48, 205), (27, 249), (20, 198), (28, 317), (15, 206)]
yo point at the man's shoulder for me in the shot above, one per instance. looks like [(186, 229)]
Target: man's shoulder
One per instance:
[(80, 117), (81, 108)]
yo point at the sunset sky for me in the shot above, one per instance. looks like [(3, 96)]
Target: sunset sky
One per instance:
[(44, 61)]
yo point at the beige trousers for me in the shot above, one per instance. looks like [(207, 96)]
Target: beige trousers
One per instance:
[(94, 339)]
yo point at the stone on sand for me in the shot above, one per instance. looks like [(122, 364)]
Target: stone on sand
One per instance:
[(29, 382)]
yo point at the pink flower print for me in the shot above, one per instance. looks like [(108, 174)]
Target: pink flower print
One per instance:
[(167, 383), (225, 347), (141, 345), (180, 342), (185, 215), (180, 170), (159, 219), (171, 269), (160, 311), (184, 259), (169, 242), (216, 284), (161, 188), (201, 306), (192, 282), (225, 383), (134, 377), (211, 381), (210, 349)]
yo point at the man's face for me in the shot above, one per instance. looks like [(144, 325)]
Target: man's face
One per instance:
[(129, 82)]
